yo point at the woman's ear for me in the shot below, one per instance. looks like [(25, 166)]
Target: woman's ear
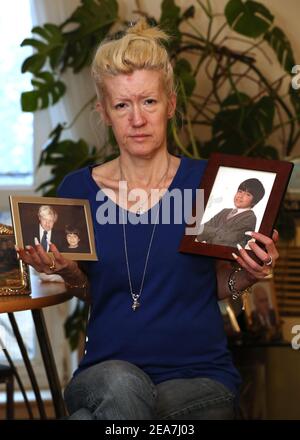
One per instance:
[(100, 108), (172, 105)]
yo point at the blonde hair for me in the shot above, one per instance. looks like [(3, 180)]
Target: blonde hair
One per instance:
[(139, 48)]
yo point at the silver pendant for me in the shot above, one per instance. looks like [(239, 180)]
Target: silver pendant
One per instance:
[(135, 305)]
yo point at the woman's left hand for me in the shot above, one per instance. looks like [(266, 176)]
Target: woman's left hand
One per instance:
[(267, 255)]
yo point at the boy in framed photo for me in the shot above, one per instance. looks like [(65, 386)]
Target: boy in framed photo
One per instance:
[(228, 227)]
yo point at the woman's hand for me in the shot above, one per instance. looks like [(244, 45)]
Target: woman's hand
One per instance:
[(267, 256), (41, 261)]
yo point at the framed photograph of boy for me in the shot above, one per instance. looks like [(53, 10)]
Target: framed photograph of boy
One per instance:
[(65, 222), (240, 194), (14, 274)]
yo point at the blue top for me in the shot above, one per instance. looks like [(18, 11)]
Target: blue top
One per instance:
[(178, 330)]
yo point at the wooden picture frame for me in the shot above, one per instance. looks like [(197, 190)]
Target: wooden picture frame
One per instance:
[(223, 177), (14, 274), (70, 225)]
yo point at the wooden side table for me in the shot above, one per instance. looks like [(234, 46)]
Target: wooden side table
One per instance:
[(42, 295)]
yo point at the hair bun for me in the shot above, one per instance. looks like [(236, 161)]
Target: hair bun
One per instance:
[(142, 29)]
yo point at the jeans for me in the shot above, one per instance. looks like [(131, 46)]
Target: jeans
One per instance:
[(119, 390)]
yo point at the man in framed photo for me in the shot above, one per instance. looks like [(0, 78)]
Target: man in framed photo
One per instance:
[(43, 229), (228, 227)]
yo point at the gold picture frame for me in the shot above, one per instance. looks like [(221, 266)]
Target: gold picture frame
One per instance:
[(28, 213), (14, 274)]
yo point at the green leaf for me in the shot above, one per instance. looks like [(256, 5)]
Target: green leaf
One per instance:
[(92, 16), (47, 91), (242, 123), (170, 20), (236, 99), (248, 18), (188, 13), (282, 47), (263, 114), (51, 48), (63, 156), (185, 79), (93, 19), (266, 152)]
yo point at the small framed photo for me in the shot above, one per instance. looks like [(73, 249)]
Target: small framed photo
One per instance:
[(65, 222), (14, 274), (262, 312), (240, 194)]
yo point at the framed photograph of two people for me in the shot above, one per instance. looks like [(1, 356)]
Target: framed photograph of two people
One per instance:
[(65, 222), (240, 194)]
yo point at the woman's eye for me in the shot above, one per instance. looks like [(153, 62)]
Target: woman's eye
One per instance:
[(150, 101), (121, 105)]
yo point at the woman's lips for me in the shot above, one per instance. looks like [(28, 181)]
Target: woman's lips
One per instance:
[(140, 137)]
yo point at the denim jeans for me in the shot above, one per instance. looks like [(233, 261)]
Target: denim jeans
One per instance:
[(119, 390)]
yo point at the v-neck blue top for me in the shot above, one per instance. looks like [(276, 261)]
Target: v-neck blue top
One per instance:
[(178, 330)]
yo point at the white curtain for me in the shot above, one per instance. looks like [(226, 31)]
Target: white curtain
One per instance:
[(80, 88)]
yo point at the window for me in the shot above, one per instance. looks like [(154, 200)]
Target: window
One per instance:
[(17, 166), (16, 127), (16, 139)]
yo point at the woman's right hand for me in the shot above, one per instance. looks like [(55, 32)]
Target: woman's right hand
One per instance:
[(44, 262)]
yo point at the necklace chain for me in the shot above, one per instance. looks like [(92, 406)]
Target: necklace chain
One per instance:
[(136, 296)]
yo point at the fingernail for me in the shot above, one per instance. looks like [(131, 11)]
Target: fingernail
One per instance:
[(234, 255), (36, 241), (50, 242), (17, 249), (18, 256), (252, 240), (248, 233), (28, 247), (239, 246)]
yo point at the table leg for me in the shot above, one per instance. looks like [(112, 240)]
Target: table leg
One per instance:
[(49, 362), (28, 365)]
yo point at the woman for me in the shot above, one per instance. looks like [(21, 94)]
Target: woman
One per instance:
[(155, 345)]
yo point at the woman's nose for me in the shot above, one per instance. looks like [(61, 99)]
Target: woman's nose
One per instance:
[(137, 117)]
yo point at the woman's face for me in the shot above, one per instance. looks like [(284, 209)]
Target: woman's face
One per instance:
[(138, 109)]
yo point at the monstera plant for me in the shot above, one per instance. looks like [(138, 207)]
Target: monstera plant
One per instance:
[(239, 111)]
